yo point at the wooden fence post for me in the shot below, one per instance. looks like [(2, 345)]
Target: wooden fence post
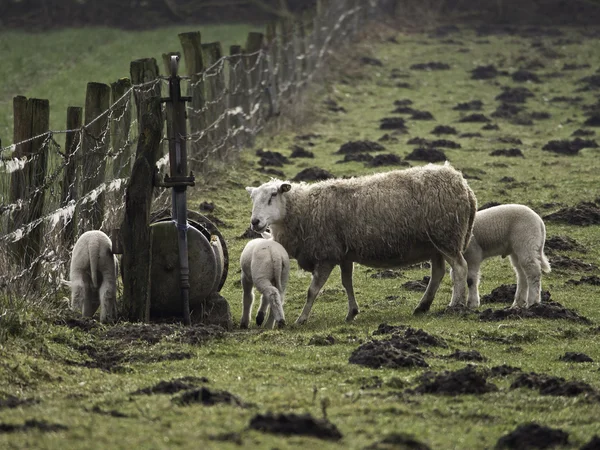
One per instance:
[(254, 68), (119, 127), (272, 54), (238, 86), (135, 230), (69, 183), (31, 118), (301, 66), (215, 94), (95, 152), (194, 63), (166, 59)]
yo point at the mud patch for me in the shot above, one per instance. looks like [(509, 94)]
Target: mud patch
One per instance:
[(445, 143), (490, 126), (485, 72), (411, 335), (592, 280), (566, 263), (388, 159), (392, 123), (473, 105), (532, 436), (466, 355), (359, 147), (399, 441), (583, 214), (523, 75), (388, 138), (509, 152), (173, 386), (575, 357), (301, 152), (506, 111), (463, 381), (566, 147), (269, 158), (421, 115), (514, 95), (208, 397), (313, 174), (564, 243), (592, 83), (385, 353), (592, 121), (10, 402), (583, 133), (426, 154), (430, 66), (417, 285), (503, 370), (505, 293), (593, 444), (295, 424), (475, 118), (33, 424), (551, 385), (548, 310), (443, 129), (356, 157)]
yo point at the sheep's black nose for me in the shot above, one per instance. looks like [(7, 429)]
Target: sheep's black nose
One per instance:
[(255, 223)]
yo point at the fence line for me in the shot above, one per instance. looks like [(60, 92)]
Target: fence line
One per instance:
[(234, 96)]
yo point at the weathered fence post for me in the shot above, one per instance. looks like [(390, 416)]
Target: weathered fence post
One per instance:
[(272, 56), (119, 127), (301, 66), (69, 183), (95, 152), (288, 58), (194, 63), (254, 67), (135, 230), (31, 119), (238, 86), (215, 94)]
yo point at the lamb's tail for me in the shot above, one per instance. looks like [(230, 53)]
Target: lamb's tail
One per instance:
[(544, 261), (94, 254), (473, 205)]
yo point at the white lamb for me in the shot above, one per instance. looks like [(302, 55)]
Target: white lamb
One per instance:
[(93, 276), (515, 231), (386, 219), (266, 265)]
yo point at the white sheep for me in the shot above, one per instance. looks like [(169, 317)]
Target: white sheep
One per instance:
[(93, 276), (266, 265), (515, 231), (382, 220)]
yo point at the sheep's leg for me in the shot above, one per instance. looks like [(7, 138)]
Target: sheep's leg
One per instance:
[(437, 273), (108, 300), (347, 268), (521, 292), (247, 301), (533, 274), (319, 277), (459, 281)]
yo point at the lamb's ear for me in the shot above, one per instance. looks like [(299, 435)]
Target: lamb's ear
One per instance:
[(250, 189), (285, 187)]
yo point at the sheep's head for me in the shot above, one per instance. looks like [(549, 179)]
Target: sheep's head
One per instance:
[(268, 204)]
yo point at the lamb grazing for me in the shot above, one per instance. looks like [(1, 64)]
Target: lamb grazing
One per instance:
[(515, 231), (93, 276), (266, 265), (383, 220)]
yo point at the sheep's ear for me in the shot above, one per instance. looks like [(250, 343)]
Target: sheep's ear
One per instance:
[(285, 187), (250, 189)]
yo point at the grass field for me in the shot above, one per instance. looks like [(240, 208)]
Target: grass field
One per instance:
[(82, 375)]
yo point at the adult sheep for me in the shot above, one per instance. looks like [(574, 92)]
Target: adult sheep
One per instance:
[(387, 219)]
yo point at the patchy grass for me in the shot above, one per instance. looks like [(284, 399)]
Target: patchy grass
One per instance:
[(52, 361)]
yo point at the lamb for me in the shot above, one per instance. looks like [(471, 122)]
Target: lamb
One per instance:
[(515, 231), (93, 276), (386, 219), (266, 265)]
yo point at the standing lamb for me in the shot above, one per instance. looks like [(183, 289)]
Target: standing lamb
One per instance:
[(383, 220), (266, 265), (515, 231), (93, 276)]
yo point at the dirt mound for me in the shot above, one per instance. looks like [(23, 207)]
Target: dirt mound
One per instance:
[(273, 172), (551, 385), (463, 381), (446, 143), (173, 386), (307, 137), (387, 137), (575, 66), (403, 102), (546, 310), (532, 436), (592, 121), (564, 243), (566, 99), (398, 441), (566, 147), (506, 111), (321, 341), (426, 154), (443, 129), (593, 444), (417, 285), (566, 263), (430, 66), (154, 332), (490, 126), (583, 133), (392, 123), (387, 274), (369, 61), (475, 117), (416, 336), (82, 323), (422, 115), (484, 72), (359, 147), (473, 105), (208, 397), (582, 214), (592, 82), (301, 152), (503, 370), (333, 106), (514, 95), (523, 75), (33, 424), (295, 424), (385, 328), (385, 353), (269, 158), (313, 174), (510, 152), (388, 159), (356, 157), (592, 280), (575, 357), (404, 110), (10, 402), (505, 293), (466, 355)]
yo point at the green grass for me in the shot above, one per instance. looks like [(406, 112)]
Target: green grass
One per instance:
[(278, 370)]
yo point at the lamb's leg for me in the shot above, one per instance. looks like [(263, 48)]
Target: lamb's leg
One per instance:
[(473, 278), (77, 295), (521, 292), (437, 273), (347, 268), (319, 277), (91, 301), (459, 281), (108, 300), (533, 275), (276, 315), (247, 301), (263, 309)]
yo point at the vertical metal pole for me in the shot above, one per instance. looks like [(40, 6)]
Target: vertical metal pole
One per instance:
[(178, 162)]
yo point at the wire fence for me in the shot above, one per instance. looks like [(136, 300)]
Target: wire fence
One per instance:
[(56, 184)]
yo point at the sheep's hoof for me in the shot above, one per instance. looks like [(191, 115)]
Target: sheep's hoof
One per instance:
[(280, 323), (420, 310), (300, 320), (260, 318), (244, 325), (351, 315)]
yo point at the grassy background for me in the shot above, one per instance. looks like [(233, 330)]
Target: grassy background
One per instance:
[(281, 371)]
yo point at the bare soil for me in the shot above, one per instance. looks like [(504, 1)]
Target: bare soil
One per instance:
[(464, 381), (398, 441), (360, 147), (208, 397), (551, 385), (575, 357), (547, 310), (172, 386), (466, 355), (313, 174), (295, 424), (533, 436), (582, 214), (426, 154), (505, 293)]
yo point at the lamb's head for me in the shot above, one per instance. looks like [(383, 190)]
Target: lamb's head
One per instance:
[(268, 204)]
